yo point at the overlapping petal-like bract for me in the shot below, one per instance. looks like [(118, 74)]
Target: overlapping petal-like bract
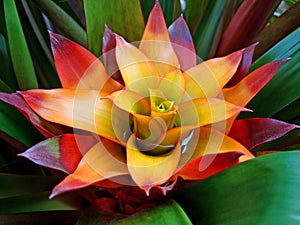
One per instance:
[(167, 118)]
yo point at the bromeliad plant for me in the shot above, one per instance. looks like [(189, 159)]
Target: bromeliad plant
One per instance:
[(153, 120), (157, 127)]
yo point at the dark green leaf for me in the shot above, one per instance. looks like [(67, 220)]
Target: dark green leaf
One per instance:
[(16, 126), (20, 55), (46, 72), (146, 6), (3, 164), (264, 190), (164, 214), (63, 21), (226, 17), (20, 193), (67, 7), (7, 72), (281, 27), (39, 20), (40, 218), (287, 142), (23, 193), (16, 185), (121, 16), (205, 33), (4, 87), (2, 20), (38, 202), (170, 8), (193, 16), (284, 49), (284, 88), (290, 112), (39, 48), (38, 28)]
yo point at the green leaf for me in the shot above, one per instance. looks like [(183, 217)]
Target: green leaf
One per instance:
[(40, 218), (3, 165), (37, 28), (63, 21), (2, 21), (146, 6), (121, 16), (37, 202), (13, 185), (170, 8), (277, 30), (290, 2), (229, 10), (205, 33), (247, 21), (284, 88), (264, 190), (23, 193), (39, 46), (290, 112), (16, 126), (20, 55), (166, 213), (69, 8), (281, 144), (192, 16), (7, 72), (4, 87), (284, 49)]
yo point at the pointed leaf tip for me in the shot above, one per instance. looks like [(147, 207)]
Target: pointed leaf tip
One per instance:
[(138, 72), (182, 43), (107, 30), (109, 41), (156, 23), (109, 54), (244, 65), (55, 40), (256, 131), (103, 161), (61, 153), (247, 88), (250, 17), (120, 41), (148, 171), (45, 127), (78, 68), (147, 189), (156, 37), (280, 62)]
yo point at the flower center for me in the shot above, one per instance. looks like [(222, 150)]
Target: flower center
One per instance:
[(151, 129), (162, 108)]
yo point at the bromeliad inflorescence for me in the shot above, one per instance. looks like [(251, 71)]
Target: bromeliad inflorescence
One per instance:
[(160, 124)]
